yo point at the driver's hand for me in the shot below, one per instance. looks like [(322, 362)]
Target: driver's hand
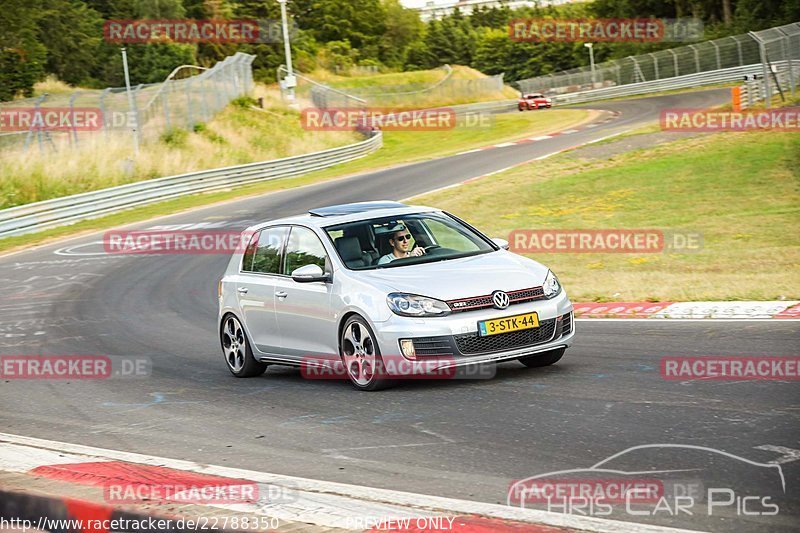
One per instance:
[(418, 251)]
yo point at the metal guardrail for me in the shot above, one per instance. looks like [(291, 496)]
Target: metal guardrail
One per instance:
[(497, 106), (681, 82), (37, 216)]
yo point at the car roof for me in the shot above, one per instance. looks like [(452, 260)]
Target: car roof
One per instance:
[(341, 214)]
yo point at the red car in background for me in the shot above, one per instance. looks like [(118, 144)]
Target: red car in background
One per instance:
[(534, 101)]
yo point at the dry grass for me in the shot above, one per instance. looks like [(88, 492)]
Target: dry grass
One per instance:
[(52, 85), (238, 135), (378, 89)]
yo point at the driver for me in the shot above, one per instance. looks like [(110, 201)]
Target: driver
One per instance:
[(400, 241)]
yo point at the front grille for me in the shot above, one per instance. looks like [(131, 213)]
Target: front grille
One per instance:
[(430, 346), (484, 302), (471, 343)]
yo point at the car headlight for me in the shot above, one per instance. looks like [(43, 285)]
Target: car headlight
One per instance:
[(412, 305), (551, 286)]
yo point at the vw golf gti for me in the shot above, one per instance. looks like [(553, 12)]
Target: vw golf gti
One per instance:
[(386, 291)]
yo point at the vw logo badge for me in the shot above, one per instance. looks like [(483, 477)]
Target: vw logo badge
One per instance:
[(500, 299)]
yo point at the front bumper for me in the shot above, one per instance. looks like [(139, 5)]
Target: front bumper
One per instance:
[(453, 341)]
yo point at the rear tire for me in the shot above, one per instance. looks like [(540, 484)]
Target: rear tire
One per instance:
[(361, 356), (236, 349), (543, 359)]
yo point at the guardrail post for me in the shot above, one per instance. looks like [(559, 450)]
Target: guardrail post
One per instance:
[(72, 117), (675, 60), (716, 50), (739, 48), (785, 44), (655, 65), (103, 110), (203, 92), (37, 126), (165, 102), (139, 125), (764, 69), (696, 57), (189, 103)]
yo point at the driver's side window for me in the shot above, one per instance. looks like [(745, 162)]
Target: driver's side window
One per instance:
[(305, 248)]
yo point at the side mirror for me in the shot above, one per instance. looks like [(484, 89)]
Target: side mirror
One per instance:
[(502, 243), (310, 274)]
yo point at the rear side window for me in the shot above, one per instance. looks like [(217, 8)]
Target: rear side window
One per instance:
[(305, 248), (264, 253)]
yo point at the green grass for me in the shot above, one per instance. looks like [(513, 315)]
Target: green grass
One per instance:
[(412, 146), (400, 147), (740, 190)]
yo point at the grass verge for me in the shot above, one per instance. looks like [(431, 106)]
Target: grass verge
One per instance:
[(740, 190), (400, 147), (416, 89), (236, 136)]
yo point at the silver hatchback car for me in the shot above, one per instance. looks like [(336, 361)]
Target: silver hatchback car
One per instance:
[(380, 291)]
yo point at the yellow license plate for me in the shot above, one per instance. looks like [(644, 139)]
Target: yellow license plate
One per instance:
[(497, 326)]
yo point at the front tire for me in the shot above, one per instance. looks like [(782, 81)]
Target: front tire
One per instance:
[(361, 356), (543, 359), (236, 349)]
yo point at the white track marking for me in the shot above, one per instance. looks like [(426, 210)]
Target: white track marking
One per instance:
[(541, 138), (789, 454), (322, 502), (567, 132), (748, 310), (504, 145), (470, 151), (71, 250)]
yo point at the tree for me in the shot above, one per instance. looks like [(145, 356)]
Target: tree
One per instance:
[(71, 32), (362, 22), (22, 57), (403, 27)]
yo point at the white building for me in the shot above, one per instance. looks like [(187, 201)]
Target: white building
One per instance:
[(436, 9)]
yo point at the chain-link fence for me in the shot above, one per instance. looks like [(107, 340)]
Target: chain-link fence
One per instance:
[(778, 49), (63, 121)]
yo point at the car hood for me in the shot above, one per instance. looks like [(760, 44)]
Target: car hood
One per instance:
[(463, 278)]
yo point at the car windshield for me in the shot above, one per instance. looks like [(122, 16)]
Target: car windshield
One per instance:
[(367, 244)]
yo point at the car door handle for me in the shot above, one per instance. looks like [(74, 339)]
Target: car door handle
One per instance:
[(281, 294), (242, 290)]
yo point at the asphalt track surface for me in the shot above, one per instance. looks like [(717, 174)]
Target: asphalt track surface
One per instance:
[(463, 439)]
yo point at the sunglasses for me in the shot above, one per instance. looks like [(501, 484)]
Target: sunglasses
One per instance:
[(401, 238)]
